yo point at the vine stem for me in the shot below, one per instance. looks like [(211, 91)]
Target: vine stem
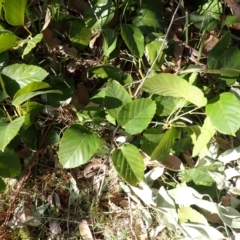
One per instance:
[(159, 51)]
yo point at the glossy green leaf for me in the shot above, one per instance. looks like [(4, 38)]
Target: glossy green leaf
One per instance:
[(79, 34), (133, 38), (29, 91), (32, 43), (106, 71), (77, 146), (224, 113), (2, 185), (110, 41), (151, 52), (7, 41), (207, 132), (129, 163), (135, 116), (9, 164), (166, 84), (51, 139), (9, 130), (162, 150), (14, 11), (24, 74), (203, 22), (113, 101), (218, 49), (99, 13)]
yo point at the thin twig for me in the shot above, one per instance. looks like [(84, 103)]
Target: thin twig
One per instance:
[(159, 51)]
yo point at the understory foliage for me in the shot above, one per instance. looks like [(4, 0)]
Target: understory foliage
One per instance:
[(112, 79)]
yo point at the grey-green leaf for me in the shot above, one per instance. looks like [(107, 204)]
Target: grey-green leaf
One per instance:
[(77, 146)]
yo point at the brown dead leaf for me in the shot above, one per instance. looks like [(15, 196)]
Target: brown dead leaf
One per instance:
[(51, 41), (80, 97), (93, 40), (85, 231), (173, 163), (211, 217), (47, 21), (233, 4)]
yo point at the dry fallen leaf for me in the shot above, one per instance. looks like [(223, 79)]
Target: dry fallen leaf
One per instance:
[(233, 4), (80, 97), (47, 21), (55, 227), (85, 231)]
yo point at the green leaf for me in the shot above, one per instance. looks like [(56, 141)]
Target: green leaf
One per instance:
[(14, 11), (146, 19), (3, 93), (212, 8), (203, 22), (79, 34), (30, 136), (77, 146), (32, 43), (218, 49), (150, 140), (207, 132), (229, 60), (188, 214), (129, 163), (9, 130), (199, 175), (151, 52), (113, 101), (135, 116), (2, 185), (166, 84), (106, 71), (99, 13), (9, 164), (24, 74), (133, 38), (224, 113), (110, 41), (7, 41), (27, 92), (30, 110), (162, 150)]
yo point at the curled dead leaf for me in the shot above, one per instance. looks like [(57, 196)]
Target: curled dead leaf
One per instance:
[(85, 231)]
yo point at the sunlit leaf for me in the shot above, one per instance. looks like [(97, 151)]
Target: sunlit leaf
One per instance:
[(7, 41), (135, 116), (223, 111), (32, 43), (166, 84), (9, 130), (77, 146), (14, 11)]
